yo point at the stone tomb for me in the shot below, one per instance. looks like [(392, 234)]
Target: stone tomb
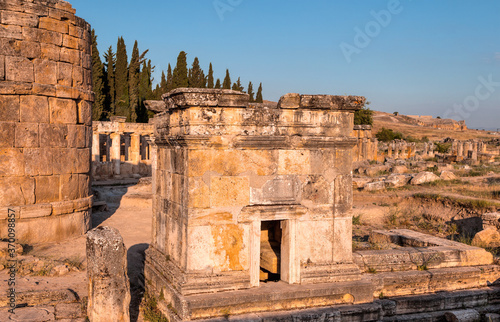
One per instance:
[(242, 194)]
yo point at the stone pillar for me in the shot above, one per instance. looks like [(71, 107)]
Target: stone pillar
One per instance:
[(109, 291), (460, 150), (396, 151), (115, 153), (454, 146), (135, 148), (45, 120), (375, 149), (96, 155)]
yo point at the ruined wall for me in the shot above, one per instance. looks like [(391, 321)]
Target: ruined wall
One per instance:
[(367, 146), (45, 119)]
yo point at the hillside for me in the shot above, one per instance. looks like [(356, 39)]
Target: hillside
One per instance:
[(401, 124)]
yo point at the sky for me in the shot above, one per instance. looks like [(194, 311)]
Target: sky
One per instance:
[(426, 57)]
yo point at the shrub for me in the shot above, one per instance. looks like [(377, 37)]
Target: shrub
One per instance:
[(387, 135)]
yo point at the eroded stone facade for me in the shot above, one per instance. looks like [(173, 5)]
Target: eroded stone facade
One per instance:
[(223, 168), (45, 118)]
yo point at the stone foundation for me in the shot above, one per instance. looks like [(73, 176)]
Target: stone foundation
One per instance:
[(45, 119)]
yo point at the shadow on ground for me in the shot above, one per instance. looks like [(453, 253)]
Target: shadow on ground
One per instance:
[(135, 271)]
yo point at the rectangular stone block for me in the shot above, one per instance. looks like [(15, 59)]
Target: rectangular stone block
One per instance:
[(64, 161), (38, 161), (229, 191), (50, 37), (69, 187), (83, 161), (27, 135), (85, 112), (9, 31), (35, 211), (9, 111), (30, 49), (71, 42), (53, 135), (78, 75), (77, 136), (54, 25), (83, 185), (75, 31), (294, 162), (19, 69), (11, 162), (45, 71), (66, 92), (17, 191), (70, 56), (7, 134), (49, 51), (18, 19), (61, 15), (199, 194), (47, 189), (65, 74), (62, 110), (34, 109), (63, 207), (15, 88)]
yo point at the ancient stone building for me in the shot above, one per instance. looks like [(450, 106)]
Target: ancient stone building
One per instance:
[(367, 145), (242, 194), (45, 120), (121, 150)]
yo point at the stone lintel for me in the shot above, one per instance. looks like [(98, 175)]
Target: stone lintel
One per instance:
[(271, 212), (323, 102), (191, 97)]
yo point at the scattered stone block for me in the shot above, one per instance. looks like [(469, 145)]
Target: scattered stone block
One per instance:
[(107, 265), (399, 169), (424, 177), (448, 175), (487, 238), (375, 186)]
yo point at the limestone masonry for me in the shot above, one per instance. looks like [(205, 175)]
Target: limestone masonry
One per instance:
[(45, 119)]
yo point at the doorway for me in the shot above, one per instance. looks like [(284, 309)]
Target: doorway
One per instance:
[(270, 251)]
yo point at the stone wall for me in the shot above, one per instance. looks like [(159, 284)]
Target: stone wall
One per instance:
[(45, 119), (367, 146), (121, 150)]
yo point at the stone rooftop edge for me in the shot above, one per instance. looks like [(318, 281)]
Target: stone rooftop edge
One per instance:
[(207, 97)]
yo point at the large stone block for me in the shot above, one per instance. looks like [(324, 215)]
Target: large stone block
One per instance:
[(62, 110), (11, 162), (45, 71), (10, 108), (34, 109), (65, 161), (70, 56), (16, 191), (83, 185), (83, 161), (54, 25), (30, 49), (64, 74), (9, 31), (85, 112), (294, 162), (27, 135), (7, 134), (53, 135), (38, 161), (229, 191), (71, 42), (50, 51), (47, 189), (68, 187), (77, 136), (19, 69), (199, 194), (18, 19)]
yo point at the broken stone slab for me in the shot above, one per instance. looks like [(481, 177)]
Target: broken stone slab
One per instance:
[(360, 183), (109, 290), (155, 106), (375, 186), (424, 177), (399, 169), (397, 180), (489, 237), (447, 175), (468, 315)]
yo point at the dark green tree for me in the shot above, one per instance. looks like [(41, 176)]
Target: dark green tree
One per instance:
[(163, 83), (210, 77), (180, 74), (121, 80), (134, 70), (258, 97), (169, 84), (196, 77), (227, 81), (98, 81), (145, 91), (110, 81), (237, 86), (250, 92), (217, 84), (364, 116)]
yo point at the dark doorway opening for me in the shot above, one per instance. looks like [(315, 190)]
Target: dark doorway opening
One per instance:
[(270, 251)]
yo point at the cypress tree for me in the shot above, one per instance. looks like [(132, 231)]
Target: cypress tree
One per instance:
[(217, 84), (227, 81), (163, 83), (237, 86), (250, 92), (180, 74), (196, 76), (97, 81), (121, 80), (258, 98), (133, 84), (110, 81), (169, 83), (210, 77), (145, 91)]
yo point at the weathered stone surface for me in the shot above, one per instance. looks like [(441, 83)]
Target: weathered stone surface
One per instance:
[(375, 186), (399, 169), (44, 189), (2, 67), (19, 69), (68, 310), (17, 191), (447, 175), (7, 134), (54, 25), (50, 51), (229, 191), (53, 135), (290, 100), (155, 106), (107, 265), (45, 71), (62, 110), (468, 315), (34, 109), (424, 177), (11, 162), (27, 135), (38, 161), (489, 237), (397, 180), (10, 108)]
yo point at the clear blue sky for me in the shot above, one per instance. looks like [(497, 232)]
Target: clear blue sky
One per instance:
[(425, 57)]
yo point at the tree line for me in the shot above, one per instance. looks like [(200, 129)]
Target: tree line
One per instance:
[(121, 86)]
